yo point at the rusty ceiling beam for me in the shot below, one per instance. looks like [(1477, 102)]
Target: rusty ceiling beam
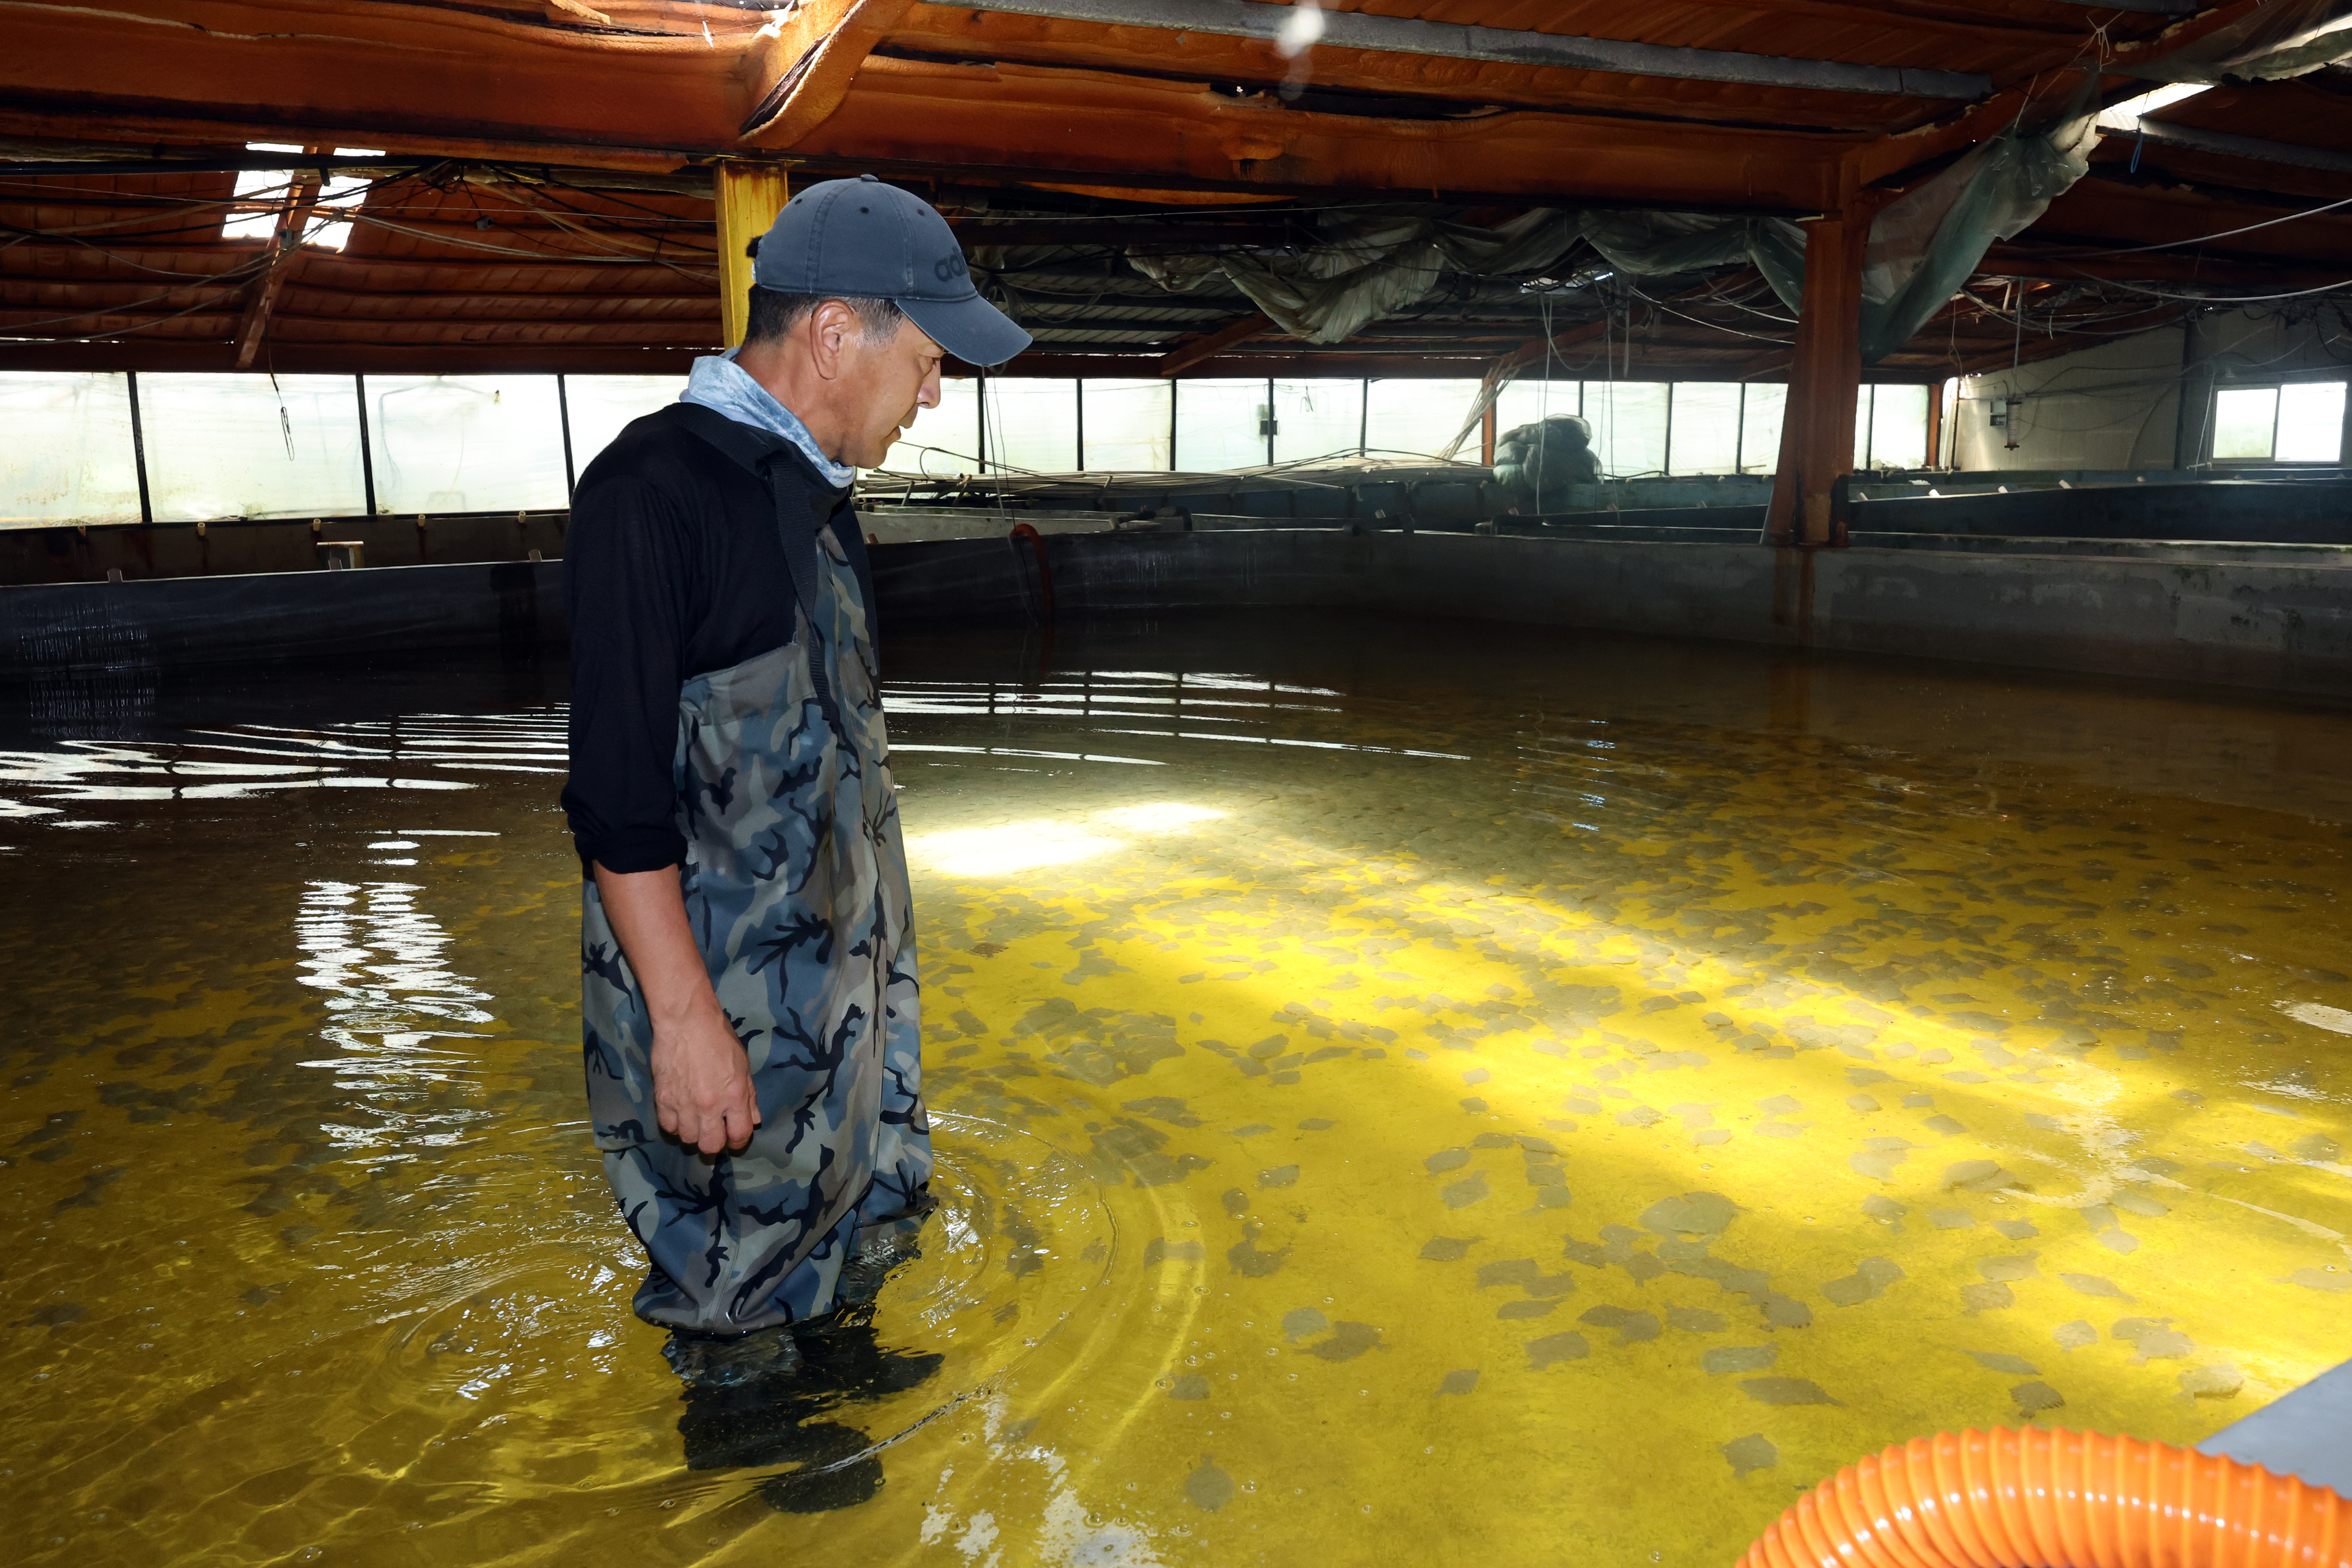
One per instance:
[(1451, 40), (1208, 345), (346, 359), (1124, 131), (803, 71), (1112, 231), (424, 82)]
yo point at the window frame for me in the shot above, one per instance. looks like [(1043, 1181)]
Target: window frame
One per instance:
[(2276, 385)]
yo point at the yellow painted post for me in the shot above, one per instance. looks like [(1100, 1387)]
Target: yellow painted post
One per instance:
[(748, 197)]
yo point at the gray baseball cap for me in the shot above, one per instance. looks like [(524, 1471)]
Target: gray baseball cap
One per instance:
[(863, 239)]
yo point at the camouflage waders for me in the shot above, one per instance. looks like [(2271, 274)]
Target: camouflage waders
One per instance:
[(795, 883)]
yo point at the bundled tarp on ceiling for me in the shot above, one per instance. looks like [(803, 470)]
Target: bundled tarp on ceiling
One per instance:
[(1370, 266), (2285, 39)]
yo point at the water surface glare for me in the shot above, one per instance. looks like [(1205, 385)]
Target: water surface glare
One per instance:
[(1404, 1092)]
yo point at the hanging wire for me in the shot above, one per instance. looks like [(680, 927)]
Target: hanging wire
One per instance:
[(2201, 239), (2229, 299)]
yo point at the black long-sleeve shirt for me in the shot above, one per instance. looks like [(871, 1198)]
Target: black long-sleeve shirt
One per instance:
[(673, 566)]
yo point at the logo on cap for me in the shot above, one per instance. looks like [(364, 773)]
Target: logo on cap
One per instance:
[(951, 267)]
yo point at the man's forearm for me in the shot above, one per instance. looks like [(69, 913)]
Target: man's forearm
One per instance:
[(647, 913)]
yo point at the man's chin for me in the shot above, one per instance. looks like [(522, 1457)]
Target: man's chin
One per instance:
[(880, 451)]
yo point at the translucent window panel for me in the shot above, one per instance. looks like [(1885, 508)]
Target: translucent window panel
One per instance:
[(237, 446), (1318, 418), (68, 456), (2244, 418), (1524, 402), (1033, 424), (466, 444), (2311, 423), (1218, 424), (944, 441), (1891, 427), (265, 186), (1760, 427), (1628, 426), (1414, 418), (341, 194), (603, 406), (1127, 425), (1705, 437)]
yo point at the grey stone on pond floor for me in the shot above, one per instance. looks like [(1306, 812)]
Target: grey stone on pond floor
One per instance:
[(1631, 1326), (2001, 1361), (1347, 1341), (1468, 1190), (2032, 1398), (1785, 1390), (1870, 1278), (1724, 1358), (1191, 1386), (1209, 1488), (1446, 1249), (1304, 1322), (1461, 1382), (1753, 1452), (1506, 1271), (1542, 1352)]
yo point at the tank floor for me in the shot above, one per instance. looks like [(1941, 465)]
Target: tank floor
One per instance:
[(1403, 1093)]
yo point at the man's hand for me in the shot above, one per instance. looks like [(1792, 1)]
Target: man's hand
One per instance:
[(702, 1081)]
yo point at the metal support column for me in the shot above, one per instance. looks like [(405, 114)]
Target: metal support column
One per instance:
[(1824, 382), (748, 197)]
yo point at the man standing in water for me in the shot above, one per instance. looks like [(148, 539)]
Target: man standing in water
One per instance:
[(748, 993)]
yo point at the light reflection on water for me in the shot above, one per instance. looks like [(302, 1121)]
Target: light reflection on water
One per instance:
[(239, 761), (1398, 1098), (383, 962)]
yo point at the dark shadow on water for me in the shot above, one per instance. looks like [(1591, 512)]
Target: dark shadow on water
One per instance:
[(137, 700), (774, 1397)]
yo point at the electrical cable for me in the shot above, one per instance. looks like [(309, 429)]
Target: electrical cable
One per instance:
[(116, 333), (2225, 234), (2223, 298)]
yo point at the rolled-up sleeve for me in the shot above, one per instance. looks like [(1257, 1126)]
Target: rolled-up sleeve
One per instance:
[(625, 576)]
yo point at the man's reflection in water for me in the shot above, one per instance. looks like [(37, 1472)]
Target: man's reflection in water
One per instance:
[(771, 1399)]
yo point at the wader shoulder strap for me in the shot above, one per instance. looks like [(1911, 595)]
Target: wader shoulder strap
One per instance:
[(774, 462)]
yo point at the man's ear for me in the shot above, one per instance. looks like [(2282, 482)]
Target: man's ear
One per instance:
[(830, 327)]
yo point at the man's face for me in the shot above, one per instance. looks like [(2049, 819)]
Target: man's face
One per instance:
[(887, 384)]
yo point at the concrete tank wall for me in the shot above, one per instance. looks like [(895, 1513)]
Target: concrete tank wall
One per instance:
[(2278, 624), (2284, 626)]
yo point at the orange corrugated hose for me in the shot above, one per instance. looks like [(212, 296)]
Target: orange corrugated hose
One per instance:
[(2046, 1499)]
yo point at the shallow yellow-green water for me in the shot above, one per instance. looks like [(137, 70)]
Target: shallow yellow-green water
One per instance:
[(1404, 1092)]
